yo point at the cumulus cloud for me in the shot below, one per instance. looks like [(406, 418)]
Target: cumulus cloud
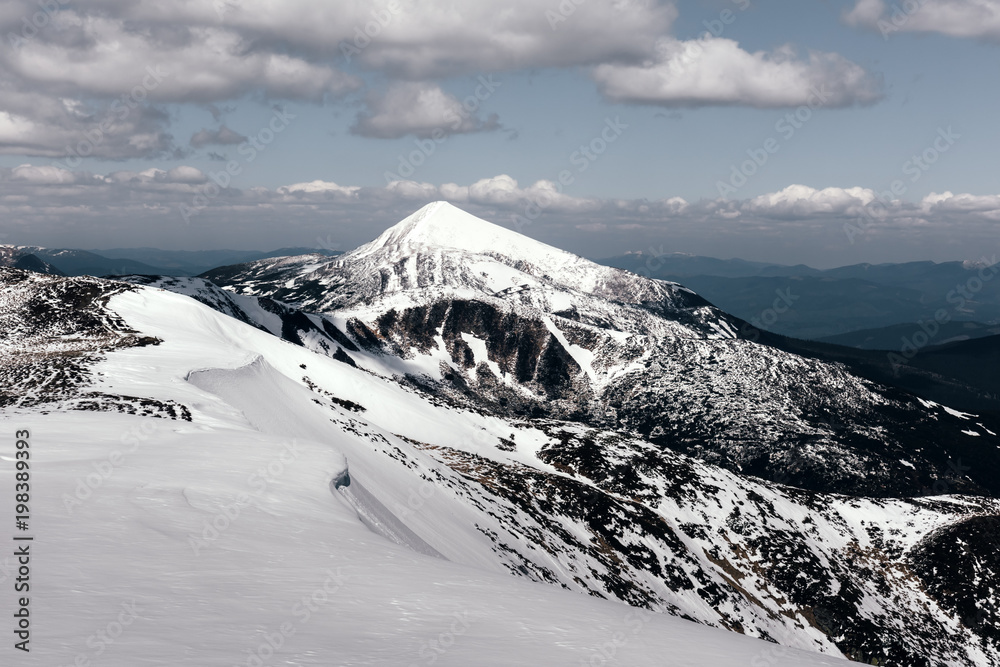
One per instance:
[(423, 110), (804, 201), (36, 124), (957, 18), (84, 81), (418, 39), (947, 202), (319, 187), (218, 48), (60, 79), (221, 137), (107, 56), (42, 175), (716, 71), (500, 191)]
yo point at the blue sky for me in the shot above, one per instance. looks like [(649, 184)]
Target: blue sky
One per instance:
[(683, 108)]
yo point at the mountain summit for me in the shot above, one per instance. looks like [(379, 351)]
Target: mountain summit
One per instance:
[(443, 225), (488, 318)]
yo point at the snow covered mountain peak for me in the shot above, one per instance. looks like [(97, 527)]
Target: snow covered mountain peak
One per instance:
[(441, 225)]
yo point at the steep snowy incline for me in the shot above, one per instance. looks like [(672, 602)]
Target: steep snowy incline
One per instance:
[(488, 319), (598, 512), (165, 541), (283, 572)]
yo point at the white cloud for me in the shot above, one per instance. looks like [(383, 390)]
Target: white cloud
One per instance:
[(98, 59), (436, 39), (319, 187), (424, 39), (39, 124), (109, 57), (716, 71), (42, 175), (423, 110), (947, 202), (804, 201), (185, 174), (957, 18), (498, 191)]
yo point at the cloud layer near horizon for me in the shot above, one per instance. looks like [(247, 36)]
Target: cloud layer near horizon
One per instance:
[(47, 202)]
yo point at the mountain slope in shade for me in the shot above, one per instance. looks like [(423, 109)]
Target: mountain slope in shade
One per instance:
[(19, 257), (192, 262), (489, 319), (413, 479)]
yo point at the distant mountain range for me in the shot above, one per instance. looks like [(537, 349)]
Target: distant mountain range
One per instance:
[(193, 262), (890, 337), (821, 304), (136, 261), (864, 305)]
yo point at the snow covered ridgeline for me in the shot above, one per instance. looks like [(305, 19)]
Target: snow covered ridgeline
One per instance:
[(466, 494), (216, 541), (594, 511), (489, 319)]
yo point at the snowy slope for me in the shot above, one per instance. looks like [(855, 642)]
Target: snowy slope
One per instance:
[(118, 584), (489, 319), (214, 540), (439, 506)]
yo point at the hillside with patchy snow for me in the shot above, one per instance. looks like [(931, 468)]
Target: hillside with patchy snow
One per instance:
[(262, 446), (489, 319)]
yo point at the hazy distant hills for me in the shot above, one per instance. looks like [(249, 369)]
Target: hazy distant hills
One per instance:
[(153, 261), (866, 306), (194, 262), (819, 304), (890, 337)]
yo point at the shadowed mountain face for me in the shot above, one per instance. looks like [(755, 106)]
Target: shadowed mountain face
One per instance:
[(22, 258)]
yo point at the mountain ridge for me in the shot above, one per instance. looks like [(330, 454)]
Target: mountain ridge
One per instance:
[(602, 513)]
